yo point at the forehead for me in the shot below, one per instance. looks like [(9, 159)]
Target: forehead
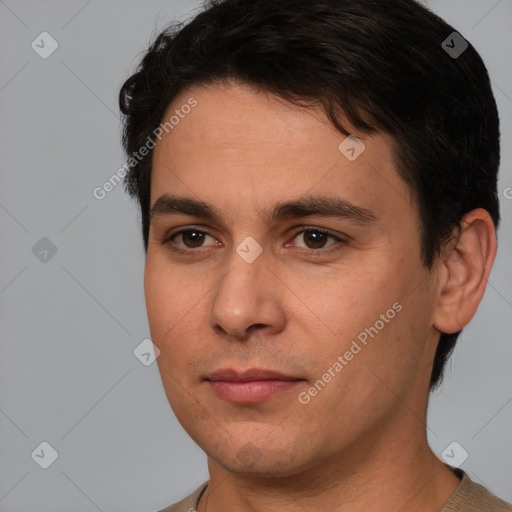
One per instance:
[(243, 148)]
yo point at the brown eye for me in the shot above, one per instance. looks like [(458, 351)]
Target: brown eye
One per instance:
[(192, 238), (187, 240), (315, 238)]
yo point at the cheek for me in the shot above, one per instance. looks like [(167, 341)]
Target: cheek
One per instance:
[(160, 301), (353, 299), (379, 317), (169, 310), (170, 302)]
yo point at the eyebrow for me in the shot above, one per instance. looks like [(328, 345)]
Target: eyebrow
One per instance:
[(318, 206)]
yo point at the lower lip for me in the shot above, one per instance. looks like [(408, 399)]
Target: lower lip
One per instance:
[(252, 391)]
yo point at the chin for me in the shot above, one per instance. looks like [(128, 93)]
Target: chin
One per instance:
[(269, 468), (261, 459)]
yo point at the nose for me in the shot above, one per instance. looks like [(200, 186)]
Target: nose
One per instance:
[(248, 297)]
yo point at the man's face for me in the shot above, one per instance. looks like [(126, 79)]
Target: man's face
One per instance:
[(357, 296)]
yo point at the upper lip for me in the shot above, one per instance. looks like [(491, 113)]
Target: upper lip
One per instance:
[(252, 374)]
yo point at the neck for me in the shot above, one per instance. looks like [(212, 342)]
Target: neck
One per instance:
[(396, 474)]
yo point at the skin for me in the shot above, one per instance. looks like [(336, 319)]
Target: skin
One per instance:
[(360, 443)]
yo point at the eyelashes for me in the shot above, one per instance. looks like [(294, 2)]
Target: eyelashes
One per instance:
[(320, 236)]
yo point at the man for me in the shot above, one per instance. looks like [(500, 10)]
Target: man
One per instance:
[(317, 183)]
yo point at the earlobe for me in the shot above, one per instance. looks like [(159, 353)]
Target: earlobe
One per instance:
[(466, 265)]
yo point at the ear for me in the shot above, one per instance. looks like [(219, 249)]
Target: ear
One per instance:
[(466, 263)]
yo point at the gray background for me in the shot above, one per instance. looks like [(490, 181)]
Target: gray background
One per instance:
[(69, 325)]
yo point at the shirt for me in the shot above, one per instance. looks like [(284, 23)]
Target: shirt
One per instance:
[(468, 497)]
